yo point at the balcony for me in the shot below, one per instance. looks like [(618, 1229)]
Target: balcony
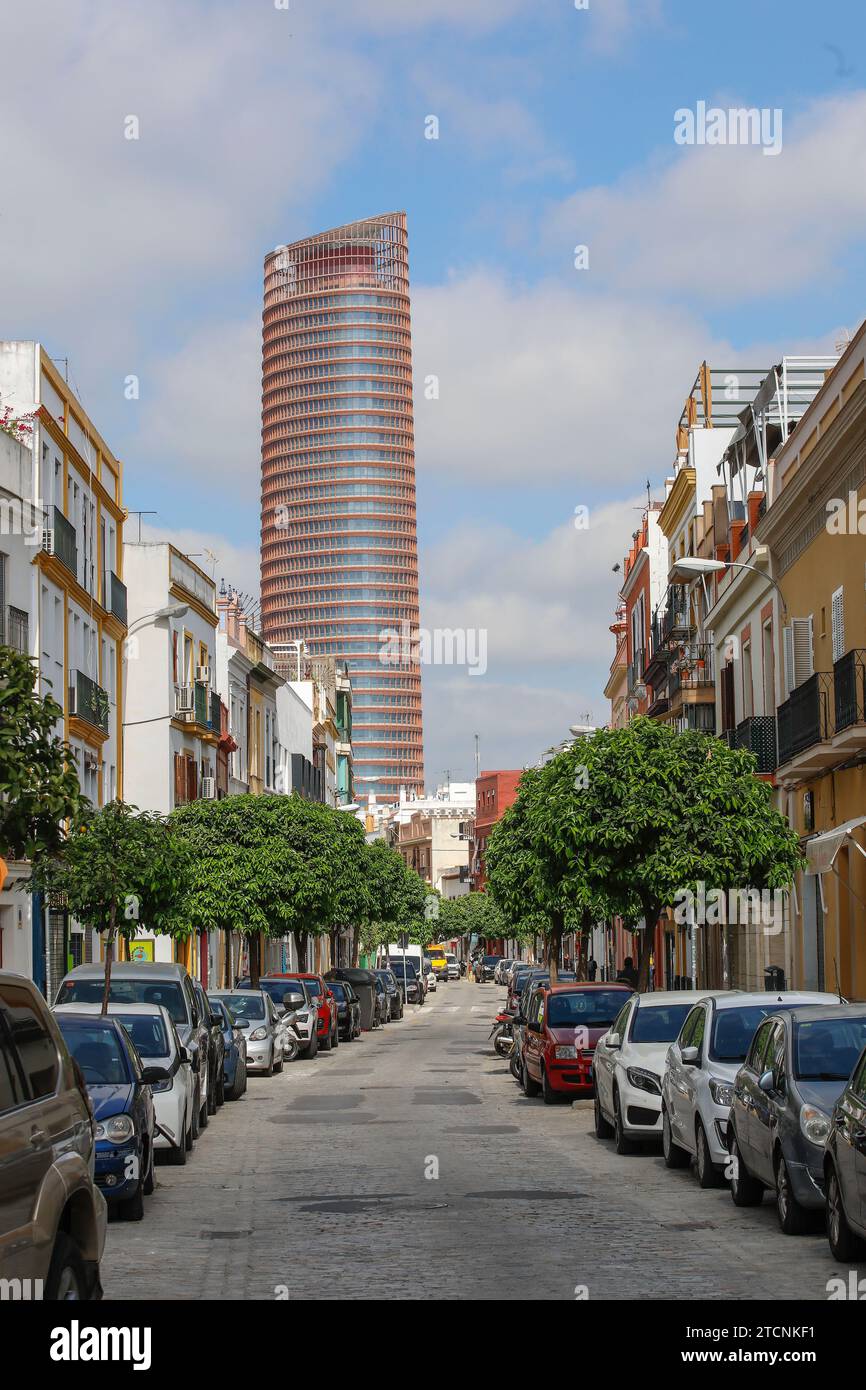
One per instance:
[(757, 735), (88, 701), (215, 716), (849, 702), (202, 713), (676, 616), (114, 596), (636, 668), (691, 674), (805, 727), (65, 543)]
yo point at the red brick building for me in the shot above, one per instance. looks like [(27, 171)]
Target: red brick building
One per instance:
[(494, 793)]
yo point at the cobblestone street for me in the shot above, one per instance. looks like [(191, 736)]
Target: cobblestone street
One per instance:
[(313, 1186)]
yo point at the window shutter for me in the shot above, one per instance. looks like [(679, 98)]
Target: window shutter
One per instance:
[(788, 652), (728, 710), (838, 624), (191, 780), (802, 639), (179, 780)]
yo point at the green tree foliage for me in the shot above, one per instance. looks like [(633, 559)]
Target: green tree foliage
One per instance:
[(118, 870), (39, 788), (477, 914)]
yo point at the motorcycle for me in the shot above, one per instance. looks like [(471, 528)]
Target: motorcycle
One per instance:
[(503, 1037)]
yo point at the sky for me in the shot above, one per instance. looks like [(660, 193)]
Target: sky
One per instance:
[(259, 122)]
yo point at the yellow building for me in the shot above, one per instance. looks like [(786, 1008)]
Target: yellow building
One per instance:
[(815, 527)]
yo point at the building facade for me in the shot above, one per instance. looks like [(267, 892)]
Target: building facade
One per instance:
[(494, 793), (339, 534)]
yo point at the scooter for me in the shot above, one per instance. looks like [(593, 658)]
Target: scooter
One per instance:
[(503, 1037)]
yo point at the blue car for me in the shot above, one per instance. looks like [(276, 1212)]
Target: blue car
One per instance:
[(235, 1061), (119, 1088)]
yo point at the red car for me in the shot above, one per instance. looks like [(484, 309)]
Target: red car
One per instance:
[(563, 1025), (327, 1028)]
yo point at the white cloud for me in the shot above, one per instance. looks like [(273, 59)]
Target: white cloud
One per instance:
[(726, 223)]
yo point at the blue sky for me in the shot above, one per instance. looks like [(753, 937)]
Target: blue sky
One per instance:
[(558, 387)]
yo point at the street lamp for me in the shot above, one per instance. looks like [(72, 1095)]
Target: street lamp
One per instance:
[(698, 567), (174, 610)]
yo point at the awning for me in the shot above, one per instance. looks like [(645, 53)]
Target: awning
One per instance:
[(821, 850)]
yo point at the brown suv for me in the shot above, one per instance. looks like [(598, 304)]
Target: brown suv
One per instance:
[(52, 1216)]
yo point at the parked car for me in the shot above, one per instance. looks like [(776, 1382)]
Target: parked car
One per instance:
[(392, 989), (118, 1084), (157, 1043), (216, 1050), (382, 1003), (784, 1094), (327, 1030), (845, 1170), (409, 982), (253, 1010), (438, 962), (348, 1009), (563, 1024), (453, 965), (152, 982), (54, 1230), (629, 1061), (306, 1018), (700, 1070), (502, 968), (234, 1050), (485, 966), (429, 974)]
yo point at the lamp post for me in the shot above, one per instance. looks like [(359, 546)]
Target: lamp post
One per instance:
[(698, 567)]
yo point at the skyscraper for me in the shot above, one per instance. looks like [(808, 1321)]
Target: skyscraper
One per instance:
[(339, 534)]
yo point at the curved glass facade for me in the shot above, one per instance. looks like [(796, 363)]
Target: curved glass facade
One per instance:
[(338, 480)]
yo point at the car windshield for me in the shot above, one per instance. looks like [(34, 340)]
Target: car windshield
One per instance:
[(492, 960), (98, 1050), (148, 1033), (588, 1008), (733, 1030), (827, 1049), (250, 1005), (275, 989), (659, 1023), (397, 967), (127, 991), (314, 987)]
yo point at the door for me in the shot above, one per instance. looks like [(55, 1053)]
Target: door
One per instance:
[(855, 1191), (679, 1083), (746, 1092), (765, 1112), (534, 1035), (604, 1061)]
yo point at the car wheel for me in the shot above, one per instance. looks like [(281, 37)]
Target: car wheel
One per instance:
[(221, 1089), (239, 1085), (793, 1218), (189, 1137), (530, 1087), (196, 1113), (603, 1129), (550, 1096), (278, 1066), (621, 1141), (746, 1191), (149, 1180), (327, 1043), (313, 1047), (204, 1116), (67, 1279), (212, 1097), (845, 1246), (177, 1156), (336, 1040), (269, 1069), (705, 1169), (132, 1209), (674, 1156)]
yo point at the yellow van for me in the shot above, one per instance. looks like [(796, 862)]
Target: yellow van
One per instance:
[(440, 964)]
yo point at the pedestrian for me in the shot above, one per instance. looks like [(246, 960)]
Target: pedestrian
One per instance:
[(592, 968), (627, 974)]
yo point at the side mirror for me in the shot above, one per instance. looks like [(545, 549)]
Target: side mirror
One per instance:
[(691, 1056), (151, 1075), (242, 1023), (216, 1020), (184, 1055), (293, 999), (766, 1083), (613, 1041)]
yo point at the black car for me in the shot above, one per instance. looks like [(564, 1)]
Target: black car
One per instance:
[(393, 991), (784, 1094), (234, 1051), (348, 1009), (216, 1091), (382, 1006), (409, 984), (845, 1170), (485, 966)]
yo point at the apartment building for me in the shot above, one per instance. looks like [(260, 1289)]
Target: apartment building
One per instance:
[(66, 604)]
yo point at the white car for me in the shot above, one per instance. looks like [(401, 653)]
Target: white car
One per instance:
[(429, 974), (157, 1043), (700, 1069), (629, 1062), (453, 965)]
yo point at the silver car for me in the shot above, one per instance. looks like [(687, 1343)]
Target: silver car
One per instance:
[(700, 1069), (254, 1011)]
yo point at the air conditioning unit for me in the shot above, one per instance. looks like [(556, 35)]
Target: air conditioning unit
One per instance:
[(91, 762), (208, 788), (202, 674), (184, 699), (47, 541)]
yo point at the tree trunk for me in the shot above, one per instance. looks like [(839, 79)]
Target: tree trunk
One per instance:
[(647, 942), (109, 952), (302, 938), (554, 946), (356, 945), (255, 959)]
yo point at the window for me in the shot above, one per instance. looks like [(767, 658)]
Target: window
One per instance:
[(837, 618), (759, 1047), (621, 1024), (688, 1029), (798, 652), (31, 1040), (748, 687), (12, 1093)]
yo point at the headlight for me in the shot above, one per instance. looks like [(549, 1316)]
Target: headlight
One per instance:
[(814, 1124), (259, 1035), (303, 1016), (119, 1129), (722, 1092), (565, 1051), (644, 1080)]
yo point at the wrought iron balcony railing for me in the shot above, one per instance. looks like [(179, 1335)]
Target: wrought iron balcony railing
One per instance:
[(849, 689), (757, 734), (805, 717)]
